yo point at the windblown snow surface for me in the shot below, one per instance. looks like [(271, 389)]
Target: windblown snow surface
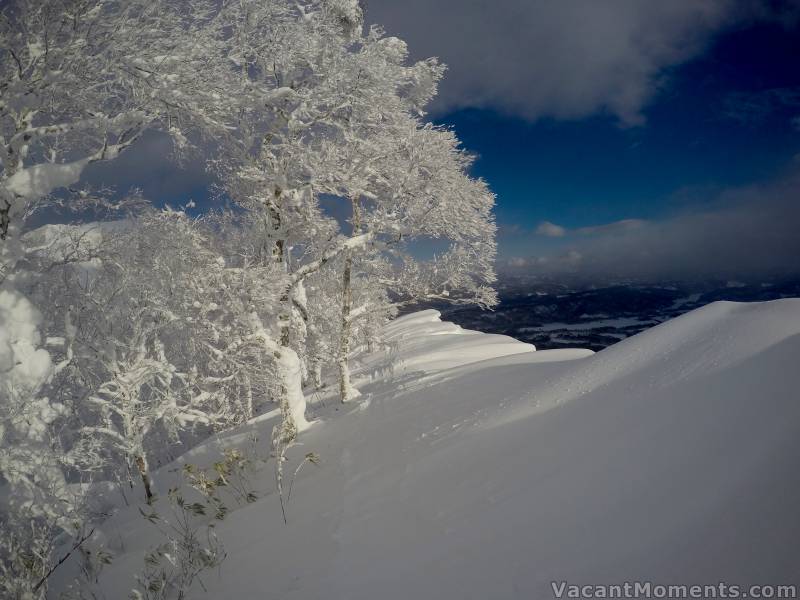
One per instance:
[(478, 468)]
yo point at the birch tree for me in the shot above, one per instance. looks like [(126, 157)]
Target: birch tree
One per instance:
[(345, 103), (161, 325), (80, 82), (408, 181)]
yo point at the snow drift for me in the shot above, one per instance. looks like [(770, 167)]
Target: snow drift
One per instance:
[(480, 468)]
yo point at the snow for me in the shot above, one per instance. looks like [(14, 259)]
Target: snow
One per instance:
[(39, 180), (289, 367), (66, 243), (289, 372), (24, 365), (426, 344), (480, 468)]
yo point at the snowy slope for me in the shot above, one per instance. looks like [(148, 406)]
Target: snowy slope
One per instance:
[(479, 468)]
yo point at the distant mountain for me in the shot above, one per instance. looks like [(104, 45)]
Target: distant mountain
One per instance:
[(552, 314)]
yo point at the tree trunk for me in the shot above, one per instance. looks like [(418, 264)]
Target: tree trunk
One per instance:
[(316, 372), (291, 400), (346, 390), (290, 373), (11, 165), (141, 465), (248, 407), (292, 387), (290, 380), (300, 323)]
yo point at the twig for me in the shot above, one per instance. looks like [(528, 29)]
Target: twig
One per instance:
[(63, 558), (311, 457)]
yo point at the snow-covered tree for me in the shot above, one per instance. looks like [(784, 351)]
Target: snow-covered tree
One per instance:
[(351, 128), (112, 323), (40, 503), (137, 311), (408, 181), (120, 339), (82, 80)]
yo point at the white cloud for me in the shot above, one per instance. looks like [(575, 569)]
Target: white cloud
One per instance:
[(616, 227), (744, 233), (548, 229), (567, 59)]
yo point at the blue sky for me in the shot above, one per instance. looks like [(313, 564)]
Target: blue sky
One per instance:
[(718, 123), (625, 137)]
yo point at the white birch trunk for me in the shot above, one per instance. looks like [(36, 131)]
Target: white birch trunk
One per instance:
[(291, 401), (346, 390)]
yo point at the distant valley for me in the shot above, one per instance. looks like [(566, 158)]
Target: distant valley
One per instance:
[(557, 315)]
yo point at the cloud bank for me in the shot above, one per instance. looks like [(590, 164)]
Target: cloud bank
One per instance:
[(746, 233), (567, 59)]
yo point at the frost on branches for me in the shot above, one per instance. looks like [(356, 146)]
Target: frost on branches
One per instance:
[(124, 340), (352, 130)]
